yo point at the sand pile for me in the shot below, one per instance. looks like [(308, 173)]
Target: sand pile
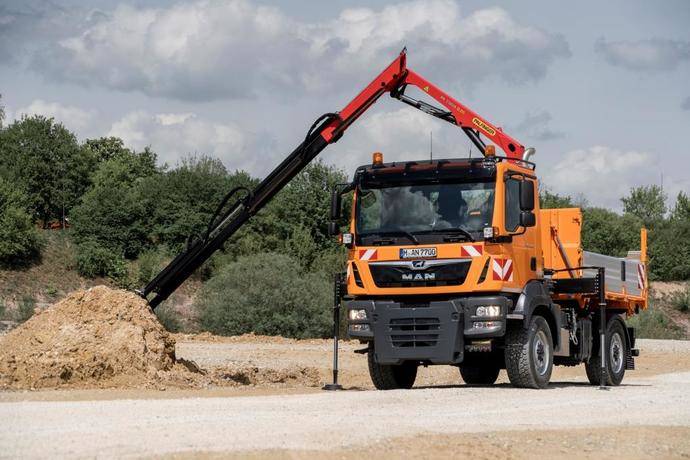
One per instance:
[(90, 336), (105, 337)]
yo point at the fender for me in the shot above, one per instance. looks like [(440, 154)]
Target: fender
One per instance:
[(534, 295)]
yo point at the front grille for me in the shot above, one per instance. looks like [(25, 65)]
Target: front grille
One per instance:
[(450, 274), (414, 332)]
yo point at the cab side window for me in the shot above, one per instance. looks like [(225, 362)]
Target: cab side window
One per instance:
[(512, 216)]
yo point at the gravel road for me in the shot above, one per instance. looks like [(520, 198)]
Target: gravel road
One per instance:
[(320, 422)]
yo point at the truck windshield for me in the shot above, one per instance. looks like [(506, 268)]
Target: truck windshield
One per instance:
[(434, 209)]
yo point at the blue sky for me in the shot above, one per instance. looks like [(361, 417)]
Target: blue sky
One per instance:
[(601, 89)]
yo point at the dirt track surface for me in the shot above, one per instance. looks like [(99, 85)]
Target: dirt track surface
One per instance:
[(647, 417)]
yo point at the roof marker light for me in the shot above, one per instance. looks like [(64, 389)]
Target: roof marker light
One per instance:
[(377, 159)]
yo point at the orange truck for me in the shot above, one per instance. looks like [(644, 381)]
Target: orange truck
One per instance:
[(452, 261)]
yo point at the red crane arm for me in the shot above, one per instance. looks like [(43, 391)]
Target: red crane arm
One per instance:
[(393, 80), (231, 215)]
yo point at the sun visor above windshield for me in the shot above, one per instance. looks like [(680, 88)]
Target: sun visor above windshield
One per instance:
[(478, 169)]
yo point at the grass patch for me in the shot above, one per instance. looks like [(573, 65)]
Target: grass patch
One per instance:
[(26, 309), (681, 300), (653, 324)]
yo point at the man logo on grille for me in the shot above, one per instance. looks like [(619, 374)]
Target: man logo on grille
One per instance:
[(418, 264)]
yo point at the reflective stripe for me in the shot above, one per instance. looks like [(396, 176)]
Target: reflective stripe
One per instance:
[(367, 254), (471, 250), (502, 269)]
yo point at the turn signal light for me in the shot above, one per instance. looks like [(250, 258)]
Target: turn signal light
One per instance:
[(377, 159)]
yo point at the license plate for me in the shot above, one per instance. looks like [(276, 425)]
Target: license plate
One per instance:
[(417, 253)]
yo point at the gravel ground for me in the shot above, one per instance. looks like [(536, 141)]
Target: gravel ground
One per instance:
[(653, 403), (328, 421)]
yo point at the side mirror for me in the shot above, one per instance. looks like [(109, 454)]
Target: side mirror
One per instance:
[(527, 219), (526, 195), (336, 204), (333, 229)]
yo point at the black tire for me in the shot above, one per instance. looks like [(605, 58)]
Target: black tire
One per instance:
[(529, 354), (480, 375), (617, 352), (391, 377)]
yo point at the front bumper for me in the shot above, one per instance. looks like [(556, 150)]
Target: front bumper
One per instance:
[(433, 332)]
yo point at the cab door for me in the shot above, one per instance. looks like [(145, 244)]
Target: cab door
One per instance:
[(520, 223)]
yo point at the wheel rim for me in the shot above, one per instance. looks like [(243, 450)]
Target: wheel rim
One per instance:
[(616, 353), (541, 353)]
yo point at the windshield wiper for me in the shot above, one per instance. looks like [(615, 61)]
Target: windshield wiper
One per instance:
[(404, 233), (459, 230), (451, 231)]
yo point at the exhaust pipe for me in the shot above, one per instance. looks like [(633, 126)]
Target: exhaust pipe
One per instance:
[(529, 152)]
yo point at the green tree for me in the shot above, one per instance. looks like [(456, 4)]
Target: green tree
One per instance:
[(606, 232), (106, 148), (646, 202), (549, 200), (20, 241), (268, 294), (669, 250), (183, 200), (681, 210), (112, 214), (296, 221), (44, 158)]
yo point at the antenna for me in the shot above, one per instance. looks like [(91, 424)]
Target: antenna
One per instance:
[(431, 145)]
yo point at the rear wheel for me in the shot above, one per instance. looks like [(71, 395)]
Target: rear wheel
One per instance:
[(616, 353), (391, 377), (480, 375), (529, 354)]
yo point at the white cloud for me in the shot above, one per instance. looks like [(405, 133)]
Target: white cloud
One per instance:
[(537, 126), (173, 136), (401, 135), (73, 118), (603, 174), (210, 48), (654, 54)]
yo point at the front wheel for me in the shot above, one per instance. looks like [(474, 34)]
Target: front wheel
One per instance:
[(529, 354), (391, 377), (616, 352)]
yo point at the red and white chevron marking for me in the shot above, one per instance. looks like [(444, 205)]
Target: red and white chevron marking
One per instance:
[(641, 276), (368, 254), (502, 269), (471, 250)]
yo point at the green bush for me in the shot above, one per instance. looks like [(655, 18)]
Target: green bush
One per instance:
[(681, 300), (20, 240), (94, 260), (149, 264), (3, 309), (168, 318), (268, 294), (653, 324), (26, 309)]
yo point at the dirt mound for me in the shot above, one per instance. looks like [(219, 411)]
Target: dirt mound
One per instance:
[(253, 375), (104, 337), (89, 337)]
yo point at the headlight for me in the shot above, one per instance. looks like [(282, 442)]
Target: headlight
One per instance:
[(359, 327), (488, 311), (357, 314)]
